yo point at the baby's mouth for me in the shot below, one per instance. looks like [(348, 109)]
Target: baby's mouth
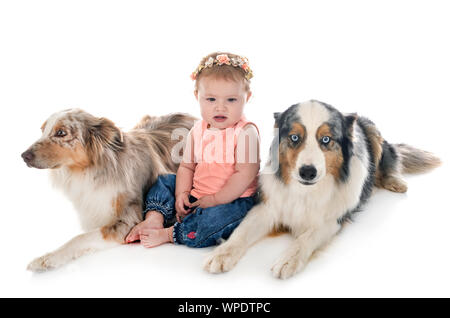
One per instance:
[(220, 118)]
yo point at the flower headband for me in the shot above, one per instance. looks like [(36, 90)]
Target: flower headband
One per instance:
[(222, 59)]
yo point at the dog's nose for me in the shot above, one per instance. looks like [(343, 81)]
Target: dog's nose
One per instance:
[(308, 173), (28, 156)]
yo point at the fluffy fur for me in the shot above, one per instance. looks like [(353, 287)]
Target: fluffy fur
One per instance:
[(105, 173), (327, 164)]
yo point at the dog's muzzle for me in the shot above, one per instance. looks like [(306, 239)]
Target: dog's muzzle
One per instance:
[(28, 156), (307, 174)]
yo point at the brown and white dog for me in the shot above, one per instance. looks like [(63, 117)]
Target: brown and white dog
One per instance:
[(105, 173), (325, 165)]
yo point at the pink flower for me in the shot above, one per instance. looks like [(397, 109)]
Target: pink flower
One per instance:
[(193, 76), (245, 66), (223, 59), (209, 62)]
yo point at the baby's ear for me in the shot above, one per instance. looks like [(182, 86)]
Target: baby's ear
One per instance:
[(249, 94), (196, 94)]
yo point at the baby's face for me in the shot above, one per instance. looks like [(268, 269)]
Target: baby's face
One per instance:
[(221, 101)]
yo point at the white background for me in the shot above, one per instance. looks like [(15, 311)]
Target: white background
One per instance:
[(387, 60)]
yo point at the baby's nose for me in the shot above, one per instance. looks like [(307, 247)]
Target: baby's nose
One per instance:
[(220, 106)]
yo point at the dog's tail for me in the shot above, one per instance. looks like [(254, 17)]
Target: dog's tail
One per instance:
[(413, 160), (145, 122), (168, 122)]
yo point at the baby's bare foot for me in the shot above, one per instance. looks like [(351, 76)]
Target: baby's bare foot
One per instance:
[(153, 221), (155, 237)]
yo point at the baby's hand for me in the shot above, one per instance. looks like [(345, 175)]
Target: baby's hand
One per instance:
[(181, 201), (205, 202)]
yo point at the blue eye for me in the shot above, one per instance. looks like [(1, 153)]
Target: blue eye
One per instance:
[(294, 138), (211, 99), (232, 100), (60, 133), (325, 140)]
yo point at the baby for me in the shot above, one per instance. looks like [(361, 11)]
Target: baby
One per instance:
[(216, 181)]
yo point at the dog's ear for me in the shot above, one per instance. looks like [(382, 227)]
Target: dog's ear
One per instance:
[(100, 135), (276, 116), (43, 126), (106, 133), (349, 120), (347, 144)]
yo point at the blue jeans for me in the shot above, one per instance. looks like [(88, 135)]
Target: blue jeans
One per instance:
[(201, 228)]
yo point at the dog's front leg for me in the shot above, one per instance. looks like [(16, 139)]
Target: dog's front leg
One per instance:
[(76, 247), (297, 255), (255, 225), (108, 236)]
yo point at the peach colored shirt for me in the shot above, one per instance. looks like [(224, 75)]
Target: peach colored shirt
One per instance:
[(214, 155)]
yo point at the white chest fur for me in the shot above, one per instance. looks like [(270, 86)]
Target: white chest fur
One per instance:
[(93, 202), (300, 206)]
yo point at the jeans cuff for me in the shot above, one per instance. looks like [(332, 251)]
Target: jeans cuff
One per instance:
[(177, 233), (164, 209)]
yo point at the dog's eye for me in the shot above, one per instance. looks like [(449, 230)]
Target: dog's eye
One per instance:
[(60, 133), (294, 138), (325, 140)]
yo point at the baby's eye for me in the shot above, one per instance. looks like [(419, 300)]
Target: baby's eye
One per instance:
[(211, 99), (231, 100)]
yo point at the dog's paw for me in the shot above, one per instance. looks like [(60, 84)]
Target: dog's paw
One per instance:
[(221, 260), (287, 266), (43, 263), (395, 185)]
